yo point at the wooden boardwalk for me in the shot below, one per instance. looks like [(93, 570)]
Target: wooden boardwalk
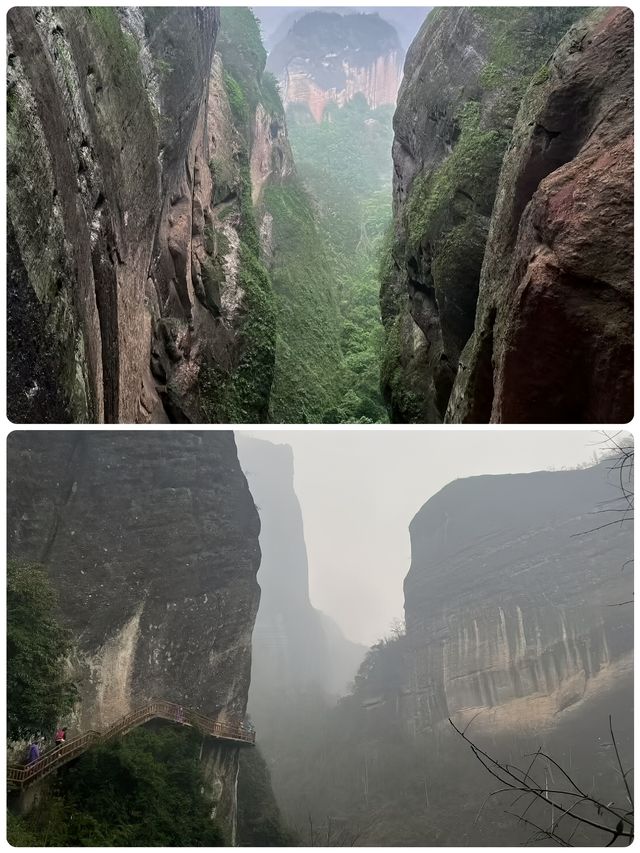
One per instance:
[(24, 775)]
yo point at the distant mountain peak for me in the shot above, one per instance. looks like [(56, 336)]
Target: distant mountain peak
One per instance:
[(331, 57)]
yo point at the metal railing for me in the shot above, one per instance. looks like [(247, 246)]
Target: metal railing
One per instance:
[(19, 776)]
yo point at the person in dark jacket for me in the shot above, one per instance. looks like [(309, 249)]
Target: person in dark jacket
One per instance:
[(34, 752)]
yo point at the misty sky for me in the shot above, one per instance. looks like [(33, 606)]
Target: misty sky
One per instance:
[(360, 489), (276, 20)]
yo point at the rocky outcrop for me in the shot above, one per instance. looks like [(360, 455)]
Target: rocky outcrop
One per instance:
[(151, 541), (464, 78), (271, 158), (133, 247), (511, 599), (327, 57), (553, 337)]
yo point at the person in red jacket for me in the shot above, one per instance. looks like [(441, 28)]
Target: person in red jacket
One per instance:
[(61, 736)]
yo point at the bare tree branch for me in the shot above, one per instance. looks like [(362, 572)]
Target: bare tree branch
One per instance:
[(513, 778)]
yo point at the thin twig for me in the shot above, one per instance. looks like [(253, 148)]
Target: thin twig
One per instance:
[(624, 775)]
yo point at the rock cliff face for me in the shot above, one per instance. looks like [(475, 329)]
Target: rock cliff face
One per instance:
[(104, 110), (280, 251), (553, 337), (327, 57), (510, 600), (137, 290), (465, 77), (152, 543), (295, 646)]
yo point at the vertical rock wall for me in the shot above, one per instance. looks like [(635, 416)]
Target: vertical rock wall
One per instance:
[(137, 291), (99, 127), (295, 645), (511, 599), (327, 57)]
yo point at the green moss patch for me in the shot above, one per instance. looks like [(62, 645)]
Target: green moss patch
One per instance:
[(121, 49), (471, 170)]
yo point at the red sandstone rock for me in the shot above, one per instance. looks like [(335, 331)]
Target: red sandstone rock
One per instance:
[(553, 339)]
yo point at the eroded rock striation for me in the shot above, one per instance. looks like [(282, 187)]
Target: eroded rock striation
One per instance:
[(511, 599), (152, 543), (476, 86), (553, 336), (328, 57)]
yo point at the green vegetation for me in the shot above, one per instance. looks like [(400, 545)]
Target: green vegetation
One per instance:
[(326, 239), (240, 45), (520, 39), (345, 163), (38, 692), (144, 790), (444, 222), (541, 76), (298, 292), (308, 346), (271, 94), (237, 102), (242, 395), (121, 47)]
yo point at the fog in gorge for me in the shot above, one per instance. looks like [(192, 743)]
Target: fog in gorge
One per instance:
[(188, 564), (277, 20), (516, 595), (359, 491)]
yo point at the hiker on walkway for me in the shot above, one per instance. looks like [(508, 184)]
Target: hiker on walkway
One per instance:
[(61, 736), (34, 752)]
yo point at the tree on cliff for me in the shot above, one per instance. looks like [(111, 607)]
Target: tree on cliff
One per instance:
[(38, 693), (619, 449)]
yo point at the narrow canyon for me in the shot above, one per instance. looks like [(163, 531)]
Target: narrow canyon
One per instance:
[(371, 221)]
